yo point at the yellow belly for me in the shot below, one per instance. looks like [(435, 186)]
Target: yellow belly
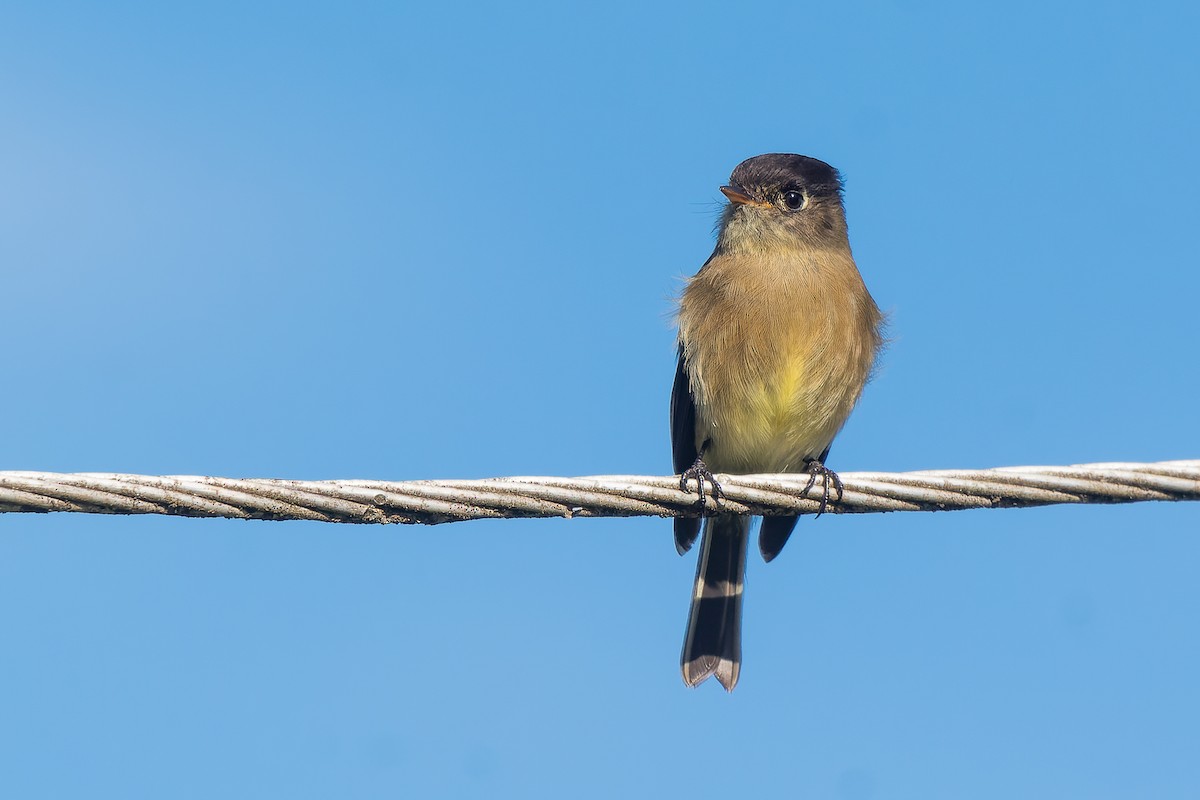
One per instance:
[(777, 419)]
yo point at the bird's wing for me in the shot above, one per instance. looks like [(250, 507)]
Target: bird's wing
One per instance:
[(683, 419), (683, 446)]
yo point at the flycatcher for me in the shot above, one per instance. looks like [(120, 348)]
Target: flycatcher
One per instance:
[(777, 335)]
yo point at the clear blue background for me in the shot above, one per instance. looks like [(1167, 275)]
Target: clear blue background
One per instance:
[(397, 241)]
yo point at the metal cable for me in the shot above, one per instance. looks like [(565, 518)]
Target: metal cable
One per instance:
[(432, 502)]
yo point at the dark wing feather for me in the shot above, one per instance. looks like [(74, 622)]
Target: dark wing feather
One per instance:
[(683, 419), (683, 447), (773, 534)]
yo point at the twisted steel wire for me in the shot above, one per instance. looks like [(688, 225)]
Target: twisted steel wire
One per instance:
[(432, 502)]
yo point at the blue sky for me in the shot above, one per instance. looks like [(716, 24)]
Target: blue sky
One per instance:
[(398, 242)]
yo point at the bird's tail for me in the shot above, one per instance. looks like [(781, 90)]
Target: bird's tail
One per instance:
[(713, 644)]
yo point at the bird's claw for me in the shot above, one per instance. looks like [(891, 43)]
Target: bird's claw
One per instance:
[(701, 474), (816, 469)]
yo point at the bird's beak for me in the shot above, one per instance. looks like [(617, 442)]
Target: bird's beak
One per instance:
[(737, 194)]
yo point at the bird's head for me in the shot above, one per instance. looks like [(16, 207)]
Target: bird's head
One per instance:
[(780, 200)]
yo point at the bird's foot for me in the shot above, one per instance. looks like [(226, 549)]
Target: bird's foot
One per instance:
[(816, 469), (701, 474)]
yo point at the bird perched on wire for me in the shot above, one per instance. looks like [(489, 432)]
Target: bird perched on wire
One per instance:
[(777, 336)]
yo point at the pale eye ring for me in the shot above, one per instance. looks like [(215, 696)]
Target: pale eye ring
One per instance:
[(793, 200)]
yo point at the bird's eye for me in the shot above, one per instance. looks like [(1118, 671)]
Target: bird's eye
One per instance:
[(793, 200)]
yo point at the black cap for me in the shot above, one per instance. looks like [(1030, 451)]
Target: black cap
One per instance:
[(784, 171)]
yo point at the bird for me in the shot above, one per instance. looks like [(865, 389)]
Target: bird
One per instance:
[(778, 336)]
